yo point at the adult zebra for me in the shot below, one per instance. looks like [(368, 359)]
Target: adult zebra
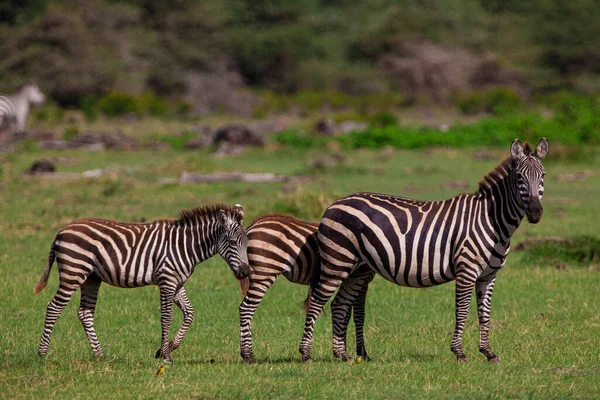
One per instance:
[(420, 243), (280, 244), (14, 108), (163, 253)]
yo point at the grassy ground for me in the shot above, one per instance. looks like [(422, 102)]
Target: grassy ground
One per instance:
[(545, 322)]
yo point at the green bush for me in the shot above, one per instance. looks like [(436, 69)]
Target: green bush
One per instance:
[(117, 103), (384, 118), (70, 132), (293, 138), (493, 131), (498, 101), (89, 107), (575, 251)]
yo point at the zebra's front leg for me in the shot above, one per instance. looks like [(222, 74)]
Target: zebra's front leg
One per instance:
[(183, 302), (256, 293), (87, 306), (464, 290), (167, 293), (484, 288)]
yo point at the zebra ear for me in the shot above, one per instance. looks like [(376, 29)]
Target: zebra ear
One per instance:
[(239, 212), (541, 149), (223, 219), (516, 149)]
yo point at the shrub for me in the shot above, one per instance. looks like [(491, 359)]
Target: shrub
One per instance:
[(118, 103), (89, 107), (384, 118), (502, 100), (70, 132), (297, 140), (578, 251)]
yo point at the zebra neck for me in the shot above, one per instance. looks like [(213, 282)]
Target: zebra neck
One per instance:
[(200, 238), (498, 193)]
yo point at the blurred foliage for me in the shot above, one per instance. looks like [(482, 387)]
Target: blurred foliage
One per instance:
[(575, 122), (80, 50), (497, 100), (576, 251)]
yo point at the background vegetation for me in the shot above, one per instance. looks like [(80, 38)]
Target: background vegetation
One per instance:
[(414, 98)]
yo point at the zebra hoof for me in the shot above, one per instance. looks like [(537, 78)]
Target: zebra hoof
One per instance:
[(365, 357), (462, 358), (494, 359), (306, 359), (345, 357), (249, 360)]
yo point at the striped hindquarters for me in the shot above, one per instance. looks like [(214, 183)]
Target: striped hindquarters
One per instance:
[(282, 244)]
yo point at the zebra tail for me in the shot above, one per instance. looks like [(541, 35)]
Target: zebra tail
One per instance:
[(44, 279), (314, 281), (244, 286)]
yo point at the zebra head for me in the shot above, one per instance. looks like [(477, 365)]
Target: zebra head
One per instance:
[(33, 93), (529, 174), (233, 243)]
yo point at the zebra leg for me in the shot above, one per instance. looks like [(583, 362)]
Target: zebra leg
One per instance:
[(318, 296), (67, 286), (484, 288), (464, 289), (341, 308), (351, 296), (87, 306), (248, 307), (359, 316), (167, 294), (183, 302)]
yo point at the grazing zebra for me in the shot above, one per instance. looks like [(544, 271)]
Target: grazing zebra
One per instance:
[(14, 108), (422, 243), (163, 253), (280, 244)]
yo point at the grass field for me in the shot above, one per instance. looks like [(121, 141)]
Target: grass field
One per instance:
[(545, 320)]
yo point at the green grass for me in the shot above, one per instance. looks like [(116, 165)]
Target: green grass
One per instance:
[(545, 321)]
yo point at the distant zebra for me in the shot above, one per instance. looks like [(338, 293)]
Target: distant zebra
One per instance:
[(421, 243), (163, 253), (281, 244), (14, 108)]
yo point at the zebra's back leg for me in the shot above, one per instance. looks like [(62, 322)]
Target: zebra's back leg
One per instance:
[(483, 289), (256, 293), (318, 297), (87, 306), (351, 296), (359, 314), (183, 302), (69, 282)]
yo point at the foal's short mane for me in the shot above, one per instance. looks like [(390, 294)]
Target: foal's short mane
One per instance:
[(194, 214)]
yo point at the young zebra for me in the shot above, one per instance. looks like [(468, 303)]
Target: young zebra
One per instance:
[(420, 243), (14, 108), (280, 244), (163, 253)]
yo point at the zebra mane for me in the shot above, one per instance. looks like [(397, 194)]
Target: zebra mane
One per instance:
[(194, 214), (25, 84), (497, 174)]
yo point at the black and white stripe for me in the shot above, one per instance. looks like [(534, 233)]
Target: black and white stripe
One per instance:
[(281, 244), (419, 244), (14, 108), (163, 253)]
